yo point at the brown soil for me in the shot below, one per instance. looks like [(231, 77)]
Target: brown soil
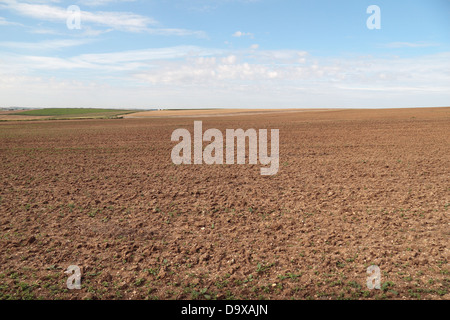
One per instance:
[(355, 188), (11, 116), (210, 113)]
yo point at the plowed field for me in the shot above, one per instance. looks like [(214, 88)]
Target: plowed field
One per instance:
[(355, 188)]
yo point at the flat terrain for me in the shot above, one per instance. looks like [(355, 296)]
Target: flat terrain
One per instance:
[(355, 188), (62, 113), (12, 116), (210, 113)]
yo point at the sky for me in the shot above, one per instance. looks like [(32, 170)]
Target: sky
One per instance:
[(224, 54)]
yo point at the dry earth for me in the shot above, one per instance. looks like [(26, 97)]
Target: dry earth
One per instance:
[(11, 116), (211, 113), (355, 188)]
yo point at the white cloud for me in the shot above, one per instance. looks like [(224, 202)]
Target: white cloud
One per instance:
[(4, 22), (96, 3), (117, 20), (189, 76), (107, 62), (239, 34), (122, 21), (45, 45)]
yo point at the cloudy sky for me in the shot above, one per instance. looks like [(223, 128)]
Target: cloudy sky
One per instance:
[(224, 53)]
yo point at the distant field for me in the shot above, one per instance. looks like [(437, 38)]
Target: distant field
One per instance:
[(174, 113), (73, 113)]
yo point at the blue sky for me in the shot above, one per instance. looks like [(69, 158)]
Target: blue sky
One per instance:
[(224, 54)]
